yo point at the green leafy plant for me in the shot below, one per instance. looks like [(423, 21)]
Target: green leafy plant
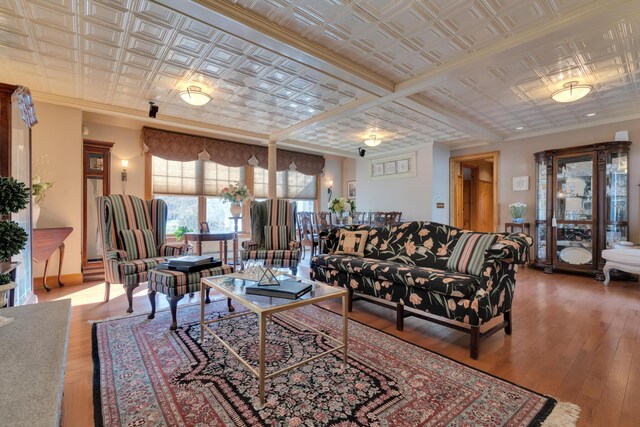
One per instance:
[(180, 231), (4, 279), (14, 196)]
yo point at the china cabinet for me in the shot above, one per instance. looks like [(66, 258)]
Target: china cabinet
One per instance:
[(582, 205)]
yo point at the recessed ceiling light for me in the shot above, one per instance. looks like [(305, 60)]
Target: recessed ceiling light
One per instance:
[(591, 114), (520, 128)]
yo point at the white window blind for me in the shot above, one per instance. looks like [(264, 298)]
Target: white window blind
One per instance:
[(216, 177), (171, 177), (301, 186), (289, 185), (198, 177)]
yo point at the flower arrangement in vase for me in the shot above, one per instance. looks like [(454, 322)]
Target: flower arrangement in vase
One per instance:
[(39, 188), (342, 207), (517, 211), (235, 194)]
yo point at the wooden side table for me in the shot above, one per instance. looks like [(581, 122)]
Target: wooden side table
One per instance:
[(45, 242), (522, 227)]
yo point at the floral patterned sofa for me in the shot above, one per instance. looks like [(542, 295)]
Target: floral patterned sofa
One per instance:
[(405, 265)]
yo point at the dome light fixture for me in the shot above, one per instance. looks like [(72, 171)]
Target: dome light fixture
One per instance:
[(195, 96), (572, 91), (373, 140)]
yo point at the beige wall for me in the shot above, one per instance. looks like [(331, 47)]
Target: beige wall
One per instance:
[(57, 157), (332, 172), (516, 159)]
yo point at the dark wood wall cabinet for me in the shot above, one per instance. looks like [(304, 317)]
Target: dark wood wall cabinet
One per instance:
[(95, 183), (582, 206)]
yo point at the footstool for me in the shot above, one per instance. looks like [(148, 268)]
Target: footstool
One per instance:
[(175, 284), (625, 259)]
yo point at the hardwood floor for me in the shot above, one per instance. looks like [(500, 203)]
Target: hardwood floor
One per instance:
[(573, 338)]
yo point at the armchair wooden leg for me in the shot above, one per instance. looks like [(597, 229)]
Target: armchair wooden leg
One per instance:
[(230, 307), (207, 300), (508, 322), (129, 289), (107, 291), (152, 300), (475, 342), (173, 305)]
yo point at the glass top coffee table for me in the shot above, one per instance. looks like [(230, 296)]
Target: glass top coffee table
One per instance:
[(233, 287)]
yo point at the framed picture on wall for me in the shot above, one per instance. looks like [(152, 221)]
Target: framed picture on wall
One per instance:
[(351, 189), (399, 166), (520, 183)]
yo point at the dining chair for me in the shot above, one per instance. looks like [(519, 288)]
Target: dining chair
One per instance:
[(306, 232)]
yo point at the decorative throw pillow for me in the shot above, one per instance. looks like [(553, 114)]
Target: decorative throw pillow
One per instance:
[(468, 254), (352, 242), (140, 243), (276, 237)]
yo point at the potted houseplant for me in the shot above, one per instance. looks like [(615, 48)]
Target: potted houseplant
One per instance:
[(14, 196), (517, 211), (181, 231), (235, 194)]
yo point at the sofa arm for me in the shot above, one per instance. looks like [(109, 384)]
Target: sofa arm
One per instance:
[(513, 248), (117, 255), (249, 245), (495, 293), (172, 249)]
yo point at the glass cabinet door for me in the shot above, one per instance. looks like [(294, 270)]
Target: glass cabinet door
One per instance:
[(616, 203), (574, 188), (574, 244), (541, 210)]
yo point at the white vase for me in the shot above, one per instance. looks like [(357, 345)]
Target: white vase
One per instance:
[(35, 212), (236, 210)]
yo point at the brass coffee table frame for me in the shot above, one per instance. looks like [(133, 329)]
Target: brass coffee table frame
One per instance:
[(263, 315)]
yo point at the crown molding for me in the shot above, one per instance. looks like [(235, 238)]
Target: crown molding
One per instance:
[(177, 122)]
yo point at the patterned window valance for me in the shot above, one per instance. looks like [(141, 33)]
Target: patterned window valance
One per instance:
[(185, 148)]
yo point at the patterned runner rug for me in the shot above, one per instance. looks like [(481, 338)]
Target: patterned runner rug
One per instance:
[(146, 375)]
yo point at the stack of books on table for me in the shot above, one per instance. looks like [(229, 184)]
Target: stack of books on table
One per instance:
[(289, 289), (192, 263)]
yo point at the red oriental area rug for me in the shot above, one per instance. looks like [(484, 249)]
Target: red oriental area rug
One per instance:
[(146, 375)]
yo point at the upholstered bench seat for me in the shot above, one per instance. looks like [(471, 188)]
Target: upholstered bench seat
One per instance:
[(176, 284)]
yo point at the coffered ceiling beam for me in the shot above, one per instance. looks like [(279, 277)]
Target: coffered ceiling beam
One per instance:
[(449, 118), (258, 30), (561, 27)]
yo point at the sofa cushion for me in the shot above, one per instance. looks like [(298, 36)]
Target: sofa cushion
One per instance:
[(352, 242), (139, 243), (276, 237), (439, 281), (468, 254)]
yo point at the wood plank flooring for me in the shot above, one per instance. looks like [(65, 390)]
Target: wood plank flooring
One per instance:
[(573, 338)]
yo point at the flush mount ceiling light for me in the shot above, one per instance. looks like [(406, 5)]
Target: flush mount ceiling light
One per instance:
[(373, 140), (572, 92), (195, 96)]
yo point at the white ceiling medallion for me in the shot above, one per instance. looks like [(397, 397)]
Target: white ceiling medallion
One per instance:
[(572, 92), (373, 140), (195, 96)]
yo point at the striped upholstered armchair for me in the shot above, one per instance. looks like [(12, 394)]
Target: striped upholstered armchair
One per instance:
[(273, 234), (133, 240)]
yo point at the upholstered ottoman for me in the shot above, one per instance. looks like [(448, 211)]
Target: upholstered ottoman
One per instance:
[(175, 284)]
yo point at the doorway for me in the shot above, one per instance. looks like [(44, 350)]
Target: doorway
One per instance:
[(474, 192)]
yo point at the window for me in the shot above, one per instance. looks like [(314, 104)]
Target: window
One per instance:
[(182, 210), (186, 186), (304, 205), (289, 185)]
